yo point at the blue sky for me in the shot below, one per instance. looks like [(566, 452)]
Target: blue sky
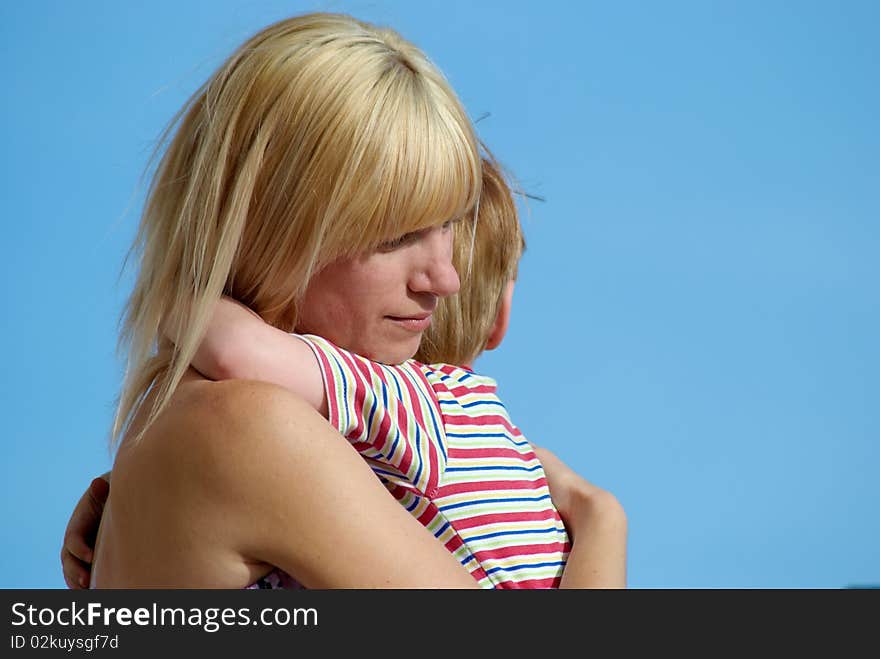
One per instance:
[(696, 323)]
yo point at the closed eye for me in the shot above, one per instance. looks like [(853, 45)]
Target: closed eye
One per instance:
[(397, 243), (411, 237)]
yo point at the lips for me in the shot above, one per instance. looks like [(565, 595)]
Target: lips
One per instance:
[(416, 323)]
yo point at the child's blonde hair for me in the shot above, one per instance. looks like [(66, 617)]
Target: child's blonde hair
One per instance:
[(486, 257), (319, 138)]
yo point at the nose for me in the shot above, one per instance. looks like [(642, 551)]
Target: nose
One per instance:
[(434, 273)]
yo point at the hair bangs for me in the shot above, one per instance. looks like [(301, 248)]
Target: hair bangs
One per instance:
[(423, 162)]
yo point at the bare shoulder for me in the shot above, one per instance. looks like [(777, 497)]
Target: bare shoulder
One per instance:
[(181, 507), (209, 431), (204, 417)]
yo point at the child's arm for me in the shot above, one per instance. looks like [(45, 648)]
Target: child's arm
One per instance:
[(239, 345), (596, 524)]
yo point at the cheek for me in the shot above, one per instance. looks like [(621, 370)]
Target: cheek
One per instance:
[(321, 304), (373, 287), (347, 301)]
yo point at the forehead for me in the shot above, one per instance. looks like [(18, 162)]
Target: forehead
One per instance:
[(420, 169)]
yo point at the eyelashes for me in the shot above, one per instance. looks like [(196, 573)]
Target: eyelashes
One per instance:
[(396, 243), (409, 238)]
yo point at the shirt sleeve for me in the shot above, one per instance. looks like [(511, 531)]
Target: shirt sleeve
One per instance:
[(386, 412)]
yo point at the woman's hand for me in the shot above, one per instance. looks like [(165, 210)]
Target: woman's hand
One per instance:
[(596, 524), (79, 537)]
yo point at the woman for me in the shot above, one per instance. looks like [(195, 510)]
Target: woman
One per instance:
[(325, 158)]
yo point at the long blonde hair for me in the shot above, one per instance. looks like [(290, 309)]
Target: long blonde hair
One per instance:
[(319, 138), (486, 256)]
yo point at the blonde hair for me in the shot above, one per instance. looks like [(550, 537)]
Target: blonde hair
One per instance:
[(321, 137), (486, 257)]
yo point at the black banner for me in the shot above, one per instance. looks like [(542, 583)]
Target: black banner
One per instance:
[(143, 622)]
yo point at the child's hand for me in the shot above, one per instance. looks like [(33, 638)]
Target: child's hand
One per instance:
[(77, 551)]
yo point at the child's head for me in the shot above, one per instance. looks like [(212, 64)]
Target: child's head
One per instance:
[(486, 257)]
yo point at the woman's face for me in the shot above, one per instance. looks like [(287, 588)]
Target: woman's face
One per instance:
[(379, 304)]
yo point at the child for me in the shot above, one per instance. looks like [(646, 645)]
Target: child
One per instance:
[(437, 436)]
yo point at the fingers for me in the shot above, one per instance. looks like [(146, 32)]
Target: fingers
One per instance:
[(76, 560), (78, 547), (77, 552), (76, 575), (99, 490)]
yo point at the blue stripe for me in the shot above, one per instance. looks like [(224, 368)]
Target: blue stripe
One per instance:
[(440, 531), (382, 472), (445, 376), (427, 403), (395, 377), (372, 413), (482, 501), (524, 566), (535, 468), (393, 444), (473, 404), (501, 534), (419, 453), (466, 435)]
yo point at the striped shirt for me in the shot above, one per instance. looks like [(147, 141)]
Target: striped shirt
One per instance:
[(441, 440)]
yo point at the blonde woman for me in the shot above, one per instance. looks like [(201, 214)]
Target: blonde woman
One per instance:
[(314, 179)]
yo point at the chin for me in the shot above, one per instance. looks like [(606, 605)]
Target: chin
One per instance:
[(395, 355), (392, 359)]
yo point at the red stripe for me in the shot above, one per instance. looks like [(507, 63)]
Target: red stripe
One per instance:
[(434, 449), (358, 395), (452, 370), (403, 414), (428, 516), (420, 373), (464, 390), (433, 474), (521, 550), (363, 365), (383, 431), (493, 452), (550, 582), (483, 420), (417, 405), (330, 385), (499, 518)]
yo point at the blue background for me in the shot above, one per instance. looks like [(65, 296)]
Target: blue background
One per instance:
[(697, 319)]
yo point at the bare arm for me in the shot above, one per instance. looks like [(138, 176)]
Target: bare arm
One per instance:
[(594, 518), (238, 476), (596, 523), (239, 345)]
